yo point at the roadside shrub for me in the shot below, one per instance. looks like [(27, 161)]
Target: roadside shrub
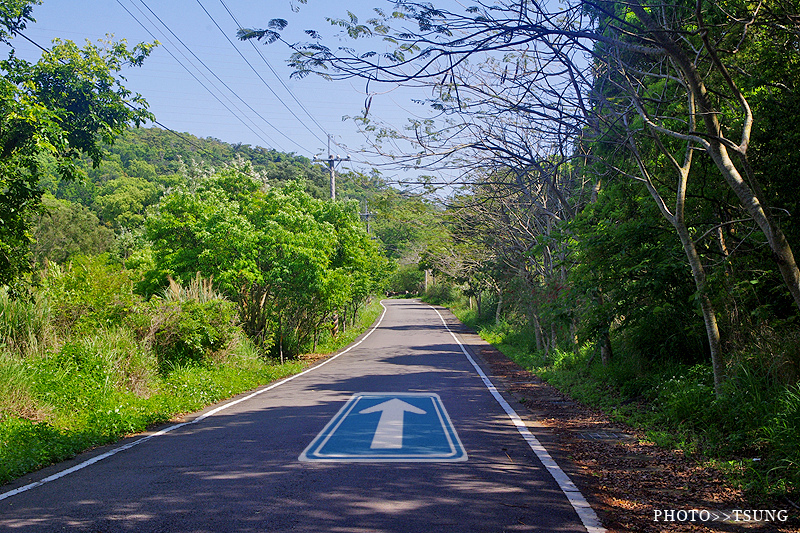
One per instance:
[(89, 293), (25, 324), (128, 365), (406, 279), (441, 293), (27, 445), (783, 436), (685, 399), (16, 391), (74, 378), (191, 332)]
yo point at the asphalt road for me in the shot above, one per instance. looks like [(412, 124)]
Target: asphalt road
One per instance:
[(238, 469)]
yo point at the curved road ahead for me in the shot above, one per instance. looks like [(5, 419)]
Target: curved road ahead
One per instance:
[(388, 461)]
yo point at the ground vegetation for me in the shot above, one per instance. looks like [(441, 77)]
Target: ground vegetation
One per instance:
[(626, 224)]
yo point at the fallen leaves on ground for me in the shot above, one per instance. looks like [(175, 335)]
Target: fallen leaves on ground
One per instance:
[(625, 478)]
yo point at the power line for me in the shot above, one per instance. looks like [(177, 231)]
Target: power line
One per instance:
[(280, 80), (217, 98), (188, 61), (266, 62), (128, 104), (269, 139), (259, 75), (259, 115)]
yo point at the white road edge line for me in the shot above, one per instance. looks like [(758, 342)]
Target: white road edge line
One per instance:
[(585, 512), (200, 418)]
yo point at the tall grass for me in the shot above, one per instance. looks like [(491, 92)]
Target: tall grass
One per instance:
[(199, 290), (26, 327), (16, 391), (755, 422), (85, 361)]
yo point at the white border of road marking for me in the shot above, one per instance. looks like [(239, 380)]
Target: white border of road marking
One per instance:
[(582, 508), (97, 459), (457, 453)]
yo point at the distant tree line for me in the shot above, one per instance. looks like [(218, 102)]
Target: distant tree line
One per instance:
[(631, 165)]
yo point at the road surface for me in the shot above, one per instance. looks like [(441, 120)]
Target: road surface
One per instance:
[(399, 434)]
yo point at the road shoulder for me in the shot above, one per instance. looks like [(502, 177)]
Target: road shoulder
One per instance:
[(624, 477)]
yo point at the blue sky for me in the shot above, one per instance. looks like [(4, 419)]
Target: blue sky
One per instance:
[(277, 119)]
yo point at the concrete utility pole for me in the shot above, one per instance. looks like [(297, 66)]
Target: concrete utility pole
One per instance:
[(366, 215), (332, 160)]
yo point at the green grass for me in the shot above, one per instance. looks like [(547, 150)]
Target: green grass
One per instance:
[(752, 431), (93, 388), (366, 317), (86, 406)]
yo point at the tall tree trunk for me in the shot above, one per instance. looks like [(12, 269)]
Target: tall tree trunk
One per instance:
[(537, 332), (781, 250), (499, 309), (709, 315), (573, 333), (678, 221), (280, 337), (713, 144), (698, 272), (533, 318), (606, 352)]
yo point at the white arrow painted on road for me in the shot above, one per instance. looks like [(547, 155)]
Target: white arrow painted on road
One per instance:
[(389, 434)]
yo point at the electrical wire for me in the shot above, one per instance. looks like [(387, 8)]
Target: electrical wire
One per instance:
[(131, 106), (259, 115), (257, 73), (205, 86), (264, 59), (270, 141)]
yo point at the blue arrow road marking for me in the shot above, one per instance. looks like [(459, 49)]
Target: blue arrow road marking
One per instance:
[(388, 427)]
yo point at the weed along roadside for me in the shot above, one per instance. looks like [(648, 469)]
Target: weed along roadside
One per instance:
[(640, 467), (86, 362)]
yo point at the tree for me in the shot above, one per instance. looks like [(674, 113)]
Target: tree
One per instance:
[(655, 82), (122, 202), (68, 103), (64, 229), (290, 261)]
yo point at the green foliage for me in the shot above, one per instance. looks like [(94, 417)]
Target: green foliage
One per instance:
[(288, 260), (65, 229), (16, 389), (783, 433), (440, 293), (408, 226), (25, 324), (122, 202), (685, 399), (407, 279), (675, 404), (27, 446), (96, 376), (90, 293), (66, 105), (14, 17), (630, 270), (191, 331)]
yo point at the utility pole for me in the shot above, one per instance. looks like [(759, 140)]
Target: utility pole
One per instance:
[(366, 215), (332, 160)]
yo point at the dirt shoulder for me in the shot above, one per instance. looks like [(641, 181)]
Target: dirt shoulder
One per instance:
[(628, 481)]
